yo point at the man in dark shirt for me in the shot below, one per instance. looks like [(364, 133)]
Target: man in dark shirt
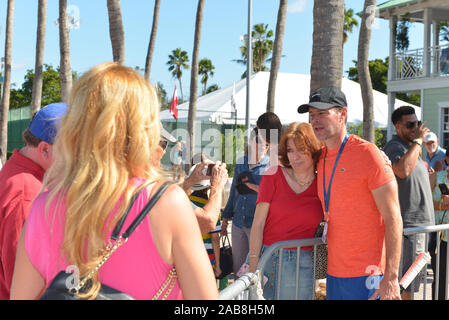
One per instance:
[(415, 197)]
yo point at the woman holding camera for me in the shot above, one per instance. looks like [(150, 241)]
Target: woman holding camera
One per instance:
[(288, 208), (241, 203)]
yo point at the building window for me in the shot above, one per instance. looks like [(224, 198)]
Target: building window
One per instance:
[(445, 127)]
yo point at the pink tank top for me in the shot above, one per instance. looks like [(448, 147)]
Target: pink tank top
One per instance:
[(135, 268)]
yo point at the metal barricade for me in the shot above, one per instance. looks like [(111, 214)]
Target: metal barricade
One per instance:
[(248, 286), (427, 230)]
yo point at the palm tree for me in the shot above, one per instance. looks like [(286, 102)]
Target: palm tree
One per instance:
[(194, 76), (65, 67), (350, 23), (366, 85), (327, 53), (116, 32), (206, 70), (262, 48), (177, 61), (4, 107), (157, 5), (40, 46), (444, 32), (277, 53)]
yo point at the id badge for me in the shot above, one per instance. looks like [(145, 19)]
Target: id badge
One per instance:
[(324, 236)]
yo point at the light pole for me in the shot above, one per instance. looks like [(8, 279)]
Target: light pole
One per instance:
[(249, 66)]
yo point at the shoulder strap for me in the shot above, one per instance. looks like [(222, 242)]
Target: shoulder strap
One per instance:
[(119, 225), (142, 214), (146, 209)]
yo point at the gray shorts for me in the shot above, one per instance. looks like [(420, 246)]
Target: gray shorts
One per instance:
[(409, 254)]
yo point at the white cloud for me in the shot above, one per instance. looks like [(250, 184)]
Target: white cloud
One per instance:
[(297, 6)]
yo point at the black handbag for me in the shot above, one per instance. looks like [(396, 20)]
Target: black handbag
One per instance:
[(241, 186), (225, 257), (63, 287)]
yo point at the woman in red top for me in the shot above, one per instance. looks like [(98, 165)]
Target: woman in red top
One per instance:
[(288, 208)]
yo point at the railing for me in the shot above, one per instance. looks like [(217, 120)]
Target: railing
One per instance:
[(427, 230), (248, 286), (412, 64), (253, 281)]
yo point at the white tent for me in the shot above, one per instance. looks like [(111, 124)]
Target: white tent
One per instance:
[(292, 90)]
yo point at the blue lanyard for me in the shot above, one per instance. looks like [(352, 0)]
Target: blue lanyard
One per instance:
[(327, 194)]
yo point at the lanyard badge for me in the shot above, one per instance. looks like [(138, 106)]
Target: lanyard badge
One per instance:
[(328, 191)]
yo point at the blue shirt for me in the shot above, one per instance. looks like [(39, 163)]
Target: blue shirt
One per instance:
[(241, 207), (440, 154)]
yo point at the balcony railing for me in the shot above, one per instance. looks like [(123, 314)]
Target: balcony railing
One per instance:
[(412, 65)]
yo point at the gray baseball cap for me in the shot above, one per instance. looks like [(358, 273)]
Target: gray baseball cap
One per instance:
[(323, 99)]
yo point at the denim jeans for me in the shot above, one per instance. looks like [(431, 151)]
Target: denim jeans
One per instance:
[(288, 276)]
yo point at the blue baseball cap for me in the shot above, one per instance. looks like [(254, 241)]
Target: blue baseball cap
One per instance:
[(46, 121)]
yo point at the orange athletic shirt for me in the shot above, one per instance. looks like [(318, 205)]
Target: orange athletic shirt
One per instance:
[(356, 229)]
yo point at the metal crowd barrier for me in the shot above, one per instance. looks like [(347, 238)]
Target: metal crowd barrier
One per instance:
[(248, 286), (426, 230), (245, 287)]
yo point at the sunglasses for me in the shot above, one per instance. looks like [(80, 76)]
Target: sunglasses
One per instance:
[(163, 144), (412, 124)]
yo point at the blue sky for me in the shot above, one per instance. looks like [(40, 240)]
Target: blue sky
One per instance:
[(225, 21)]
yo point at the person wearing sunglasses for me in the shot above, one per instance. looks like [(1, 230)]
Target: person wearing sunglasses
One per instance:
[(415, 196)]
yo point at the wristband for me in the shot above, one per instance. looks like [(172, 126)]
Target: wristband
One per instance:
[(418, 141)]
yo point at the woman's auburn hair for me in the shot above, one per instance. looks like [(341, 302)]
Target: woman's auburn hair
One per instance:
[(107, 137), (303, 136)]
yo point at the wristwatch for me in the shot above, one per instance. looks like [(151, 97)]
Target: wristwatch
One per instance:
[(418, 141)]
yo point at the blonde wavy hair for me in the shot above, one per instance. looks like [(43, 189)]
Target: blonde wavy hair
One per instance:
[(106, 138)]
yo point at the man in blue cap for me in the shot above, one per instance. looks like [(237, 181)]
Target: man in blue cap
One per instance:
[(20, 182)]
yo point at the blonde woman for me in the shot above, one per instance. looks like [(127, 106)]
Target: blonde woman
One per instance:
[(102, 156)]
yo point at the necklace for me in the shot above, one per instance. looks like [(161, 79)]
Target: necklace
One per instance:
[(303, 183)]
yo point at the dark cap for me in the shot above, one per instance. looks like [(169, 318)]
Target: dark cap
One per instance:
[(325, 98)]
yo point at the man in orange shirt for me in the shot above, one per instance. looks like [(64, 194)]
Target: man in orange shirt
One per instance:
[(358, 191)]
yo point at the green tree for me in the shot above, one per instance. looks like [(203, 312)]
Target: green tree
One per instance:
[(350, 23), (262, 48), (212, 88), (51, 88), (379, 135), (162, 94), (206, 71), (177, 61), (444, 32), (402, 41), (378, 70)]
